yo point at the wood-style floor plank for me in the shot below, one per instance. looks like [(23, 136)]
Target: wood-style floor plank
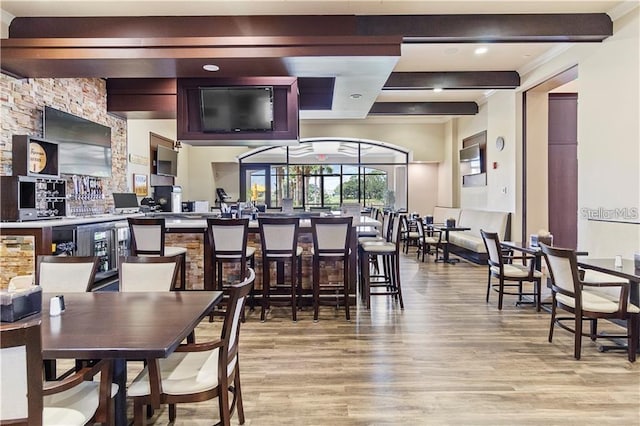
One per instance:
[(448, 358)]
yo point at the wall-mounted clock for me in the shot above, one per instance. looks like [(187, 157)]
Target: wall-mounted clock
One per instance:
[(499, 143)]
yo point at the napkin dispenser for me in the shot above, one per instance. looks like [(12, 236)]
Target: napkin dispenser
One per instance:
[(20, 303)]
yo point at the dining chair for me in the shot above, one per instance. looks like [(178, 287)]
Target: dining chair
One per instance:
[(410, 235), (426, 240), (26, 399), (60, 274), (331, 242), (279, 243), (587, 301), (148, 239), (228, 241), (143, 273), (198, 371), (387, 283), (510, 275)]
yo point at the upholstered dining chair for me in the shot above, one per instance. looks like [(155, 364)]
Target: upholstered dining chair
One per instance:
[(427, 240), (142, 273), (331, 242), (148, 239), (510, 275), (198, 371), (279, 242), (60, 274), (27, 400), (587, 301)]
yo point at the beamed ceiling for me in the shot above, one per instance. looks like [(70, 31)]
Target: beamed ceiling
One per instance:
[(349, 65)]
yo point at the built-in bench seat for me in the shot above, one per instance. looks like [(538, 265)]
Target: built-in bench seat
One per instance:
[(469, 244)]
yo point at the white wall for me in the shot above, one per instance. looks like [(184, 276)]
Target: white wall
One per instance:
[(426, 141), (423, 188), (608, 133)]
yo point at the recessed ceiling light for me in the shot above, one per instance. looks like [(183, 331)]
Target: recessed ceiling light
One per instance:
[(437, 89), (355, 96), (210, 67), (481, 50)]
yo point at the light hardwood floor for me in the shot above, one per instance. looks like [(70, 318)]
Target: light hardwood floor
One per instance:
[(448, 358)]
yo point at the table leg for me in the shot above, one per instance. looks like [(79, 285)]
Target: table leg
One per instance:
[(120, 400)]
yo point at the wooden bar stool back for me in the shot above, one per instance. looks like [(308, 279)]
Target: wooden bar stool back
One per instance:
[(148, 239)]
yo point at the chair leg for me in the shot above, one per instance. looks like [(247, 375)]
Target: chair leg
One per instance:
[(294, 286), (538, 285), (138, 413), (266, 283), (345, 287), (553, 318), (578, 336), (223, 403), (239, 406), (397, 280), (633, 333), (316, 287), (172, 413), (500, 294), (593, 333), (488, 285)]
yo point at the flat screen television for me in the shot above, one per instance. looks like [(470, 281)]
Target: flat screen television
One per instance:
[(84, 147), (236, 109), (471, 160), (166, 162)]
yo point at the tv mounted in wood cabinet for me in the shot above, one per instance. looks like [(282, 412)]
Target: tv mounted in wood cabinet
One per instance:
[(245, 111)]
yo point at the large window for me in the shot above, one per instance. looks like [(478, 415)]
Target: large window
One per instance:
[(326, 173)]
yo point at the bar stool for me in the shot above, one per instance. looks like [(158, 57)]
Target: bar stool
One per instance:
[(331, 242), (279, 241), (390, 279), (147, 239), (228, 240)]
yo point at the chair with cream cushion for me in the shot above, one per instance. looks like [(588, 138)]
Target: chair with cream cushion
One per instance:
[(587, 301), (331, 242), (279, 243), (147, 239), (198, 371), (25, 399), (64, 274), (387, 283), (427, 239), (141, 273), (510, 275)]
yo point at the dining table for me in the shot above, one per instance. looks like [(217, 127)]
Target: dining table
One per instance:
[(121, 327), (445, 250)]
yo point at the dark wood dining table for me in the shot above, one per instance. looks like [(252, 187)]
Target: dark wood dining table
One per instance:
[(446, 229), (121, 327), (627, 271)]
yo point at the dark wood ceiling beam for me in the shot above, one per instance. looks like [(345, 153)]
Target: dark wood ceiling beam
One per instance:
[(488, 28), (424, 108), (453, 80), (461, 28)]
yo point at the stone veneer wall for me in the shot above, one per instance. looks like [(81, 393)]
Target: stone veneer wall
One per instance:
[(23, 100)]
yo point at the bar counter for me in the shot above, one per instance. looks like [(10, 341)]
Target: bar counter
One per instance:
[(21, 242)]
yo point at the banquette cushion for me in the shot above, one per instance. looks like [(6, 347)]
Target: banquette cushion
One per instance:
[(490, 221)]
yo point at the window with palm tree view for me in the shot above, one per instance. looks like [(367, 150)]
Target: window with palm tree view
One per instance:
[(323, 174)]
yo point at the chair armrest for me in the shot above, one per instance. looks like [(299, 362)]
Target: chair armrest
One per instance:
[(624, 292), (86, 373), (199, 347)]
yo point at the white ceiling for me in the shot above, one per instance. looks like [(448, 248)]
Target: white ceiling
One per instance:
[(519, 57)]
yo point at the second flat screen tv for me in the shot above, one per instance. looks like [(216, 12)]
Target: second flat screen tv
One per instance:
[(236, 109), (167, 162)]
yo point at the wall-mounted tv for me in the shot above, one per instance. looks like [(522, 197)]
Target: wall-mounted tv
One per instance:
[(471, 160), (84, 146), (236, 109), (166, 162)]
